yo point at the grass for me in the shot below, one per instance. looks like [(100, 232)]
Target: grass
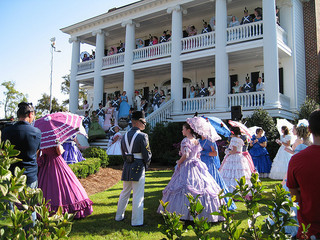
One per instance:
[(101, 224)]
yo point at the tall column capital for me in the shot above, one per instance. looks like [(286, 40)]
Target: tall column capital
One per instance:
[(99, 31), (74, 39), (130, 22), (176, 8)]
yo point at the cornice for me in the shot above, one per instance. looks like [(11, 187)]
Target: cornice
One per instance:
[(117, 16)]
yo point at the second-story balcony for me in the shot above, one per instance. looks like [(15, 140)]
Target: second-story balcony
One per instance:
[(235, 35)]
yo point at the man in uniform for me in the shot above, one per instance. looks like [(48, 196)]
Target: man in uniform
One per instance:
[(248, 86), (100, 114), (247, 18), (156, 99), (116, 104), (137, 157)]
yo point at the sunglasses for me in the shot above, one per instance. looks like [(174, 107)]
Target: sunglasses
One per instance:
[(143, 122)]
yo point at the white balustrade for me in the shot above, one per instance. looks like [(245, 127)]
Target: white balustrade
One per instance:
[(249, 100), (113, 60), (281, 34), (161, 114), (197, 42), (152, 52), (245, 32), (198, 104), (86, 66)]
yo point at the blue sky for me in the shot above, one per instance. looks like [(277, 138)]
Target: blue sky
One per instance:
[(26, 27)]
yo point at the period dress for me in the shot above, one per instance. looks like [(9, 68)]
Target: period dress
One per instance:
[(212, 163), (107, 118), (235, 166), (61, 186), (115, 148), (260, 155), (281, 161), (71, 152), (192, 177), (124, 107)]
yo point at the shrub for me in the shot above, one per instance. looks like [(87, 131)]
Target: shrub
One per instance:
[(86, 168), (261, 118), (164, 141), (115, 160), (307, 108), (97, 152), (13, 189)]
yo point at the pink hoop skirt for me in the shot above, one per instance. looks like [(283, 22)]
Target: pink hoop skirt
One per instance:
[(61, 186)]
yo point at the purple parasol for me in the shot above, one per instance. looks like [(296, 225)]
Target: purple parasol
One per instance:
[(56, 128), (203, 127)]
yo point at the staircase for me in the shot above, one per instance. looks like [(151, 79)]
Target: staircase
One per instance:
[(162, 114), (102, 143)]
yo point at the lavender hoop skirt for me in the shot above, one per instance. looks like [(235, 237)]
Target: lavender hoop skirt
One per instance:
[(61, 186), (192, 177), (72, 153)]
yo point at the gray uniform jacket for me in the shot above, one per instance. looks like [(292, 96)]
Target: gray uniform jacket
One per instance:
[(133, 171)]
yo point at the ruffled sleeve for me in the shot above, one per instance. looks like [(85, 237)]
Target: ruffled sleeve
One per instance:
[(253, 138), (263, 139), (185, 146)]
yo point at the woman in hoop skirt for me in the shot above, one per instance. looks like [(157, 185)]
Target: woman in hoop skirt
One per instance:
[(281, 161), (124, 106), (191, 176), (71, 152), (235, 165), (259, 153), (60, 185), (115, 147), (107, 118)]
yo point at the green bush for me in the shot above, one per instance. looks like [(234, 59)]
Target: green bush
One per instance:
[(97, 152), (307, 108), (164, 143), (115, 160), (13, 189), (86, 168), (261, 118)]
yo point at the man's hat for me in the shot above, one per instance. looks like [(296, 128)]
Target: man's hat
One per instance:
[(138, 115)]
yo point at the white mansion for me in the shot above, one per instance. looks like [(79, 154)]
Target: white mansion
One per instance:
[(227, 54)]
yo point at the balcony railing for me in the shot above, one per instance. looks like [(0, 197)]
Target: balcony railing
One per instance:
[(199, 104), (245, 32), (113, 60), (86, 66), (247, 100), (197, 42), (285, 101), (152, 52), (162, 114), (281, 35)]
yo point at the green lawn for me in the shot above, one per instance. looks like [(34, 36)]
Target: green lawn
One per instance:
[(101, 224)]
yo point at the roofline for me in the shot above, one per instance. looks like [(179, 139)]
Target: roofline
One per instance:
[(111, 12)]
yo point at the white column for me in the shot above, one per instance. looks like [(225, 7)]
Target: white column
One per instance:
[(221, 60), (270, 54), (176, 64), (128, 78), (98, 85), (74, 85)]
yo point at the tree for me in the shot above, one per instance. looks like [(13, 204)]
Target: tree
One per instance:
[(43, 105), (65, 89), (306, 108), (12, 98)]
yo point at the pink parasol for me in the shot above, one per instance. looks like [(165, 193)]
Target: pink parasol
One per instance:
[(56, 128), (203, 127), (242, 127)]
